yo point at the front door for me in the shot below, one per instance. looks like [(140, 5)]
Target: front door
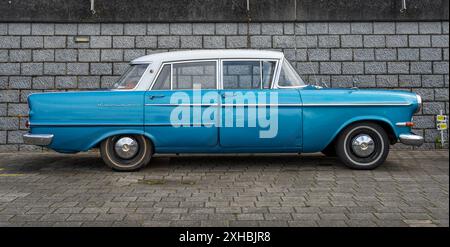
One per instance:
[(253, 114), (175, 106)]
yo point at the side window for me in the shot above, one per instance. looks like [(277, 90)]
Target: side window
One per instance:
[(163, 81), (289, 77), (268, 70), (192, 75), (241, 75)]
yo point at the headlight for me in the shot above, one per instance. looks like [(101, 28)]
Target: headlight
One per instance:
[(419, 102)]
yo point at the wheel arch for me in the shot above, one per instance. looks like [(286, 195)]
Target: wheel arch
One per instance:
[(96, 143), (382, 122)]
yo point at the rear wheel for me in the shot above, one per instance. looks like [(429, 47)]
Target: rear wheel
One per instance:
[(126, 152), (363, 146)]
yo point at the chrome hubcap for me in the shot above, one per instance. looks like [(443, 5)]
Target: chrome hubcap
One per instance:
[(126, 147), (363, 145)]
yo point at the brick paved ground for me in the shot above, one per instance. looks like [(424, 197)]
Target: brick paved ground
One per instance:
[(411, 189)]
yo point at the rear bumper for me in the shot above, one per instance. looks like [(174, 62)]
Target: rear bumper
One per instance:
[(411, 139), (38, 139)]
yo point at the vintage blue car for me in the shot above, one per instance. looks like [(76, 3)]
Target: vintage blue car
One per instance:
[(222, 101)]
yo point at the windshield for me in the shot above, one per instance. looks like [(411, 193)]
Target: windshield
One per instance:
[(131, 77), (289, 77)]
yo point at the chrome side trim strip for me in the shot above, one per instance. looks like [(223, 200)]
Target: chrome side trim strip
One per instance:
[(225, 105), (85, 124), (106, 124), (261, 105), (285, 105), (357, 104), (183, 105), (181, 124)]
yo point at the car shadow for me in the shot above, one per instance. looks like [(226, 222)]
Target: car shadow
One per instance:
[(92, 162)]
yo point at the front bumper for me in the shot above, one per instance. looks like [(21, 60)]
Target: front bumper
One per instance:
[(411, 139), (38, 139)]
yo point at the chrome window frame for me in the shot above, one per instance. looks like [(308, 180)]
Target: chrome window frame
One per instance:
[(140, 79), (279, 73), (171, 63)]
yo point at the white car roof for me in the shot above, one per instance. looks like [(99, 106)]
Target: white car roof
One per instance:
[(207, 54)]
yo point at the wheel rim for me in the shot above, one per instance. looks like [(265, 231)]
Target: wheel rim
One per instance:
[(378, 146), (126, 147), (363, 145)]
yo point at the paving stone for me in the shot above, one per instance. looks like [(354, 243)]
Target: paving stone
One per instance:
[(275, 216)]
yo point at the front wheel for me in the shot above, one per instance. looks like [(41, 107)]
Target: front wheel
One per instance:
[(126, 152), (363, 146)]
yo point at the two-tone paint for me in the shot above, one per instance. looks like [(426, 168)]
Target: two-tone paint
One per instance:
[(310, 117)]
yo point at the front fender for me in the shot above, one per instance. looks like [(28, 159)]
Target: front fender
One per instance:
[(326, 112), (361, 119), (322, 126)]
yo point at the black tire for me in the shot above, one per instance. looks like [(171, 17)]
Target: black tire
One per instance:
[(137, 160), (330, 150), (353, 155)]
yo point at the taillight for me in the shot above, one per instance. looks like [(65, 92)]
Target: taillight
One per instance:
[(27, 124)]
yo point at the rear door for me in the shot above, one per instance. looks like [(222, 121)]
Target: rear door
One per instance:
[(175, 105), (253, 113)]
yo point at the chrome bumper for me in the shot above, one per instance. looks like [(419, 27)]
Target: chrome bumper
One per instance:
[(411, 139), (38, 139)]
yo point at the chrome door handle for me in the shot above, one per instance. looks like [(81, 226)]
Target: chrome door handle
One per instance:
[(155, 96), (225, 95)]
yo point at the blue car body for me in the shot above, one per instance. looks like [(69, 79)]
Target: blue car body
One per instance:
[(308, 118), (79, 121)]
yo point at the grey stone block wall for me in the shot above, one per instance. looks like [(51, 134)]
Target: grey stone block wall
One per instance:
[(37, 57)]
